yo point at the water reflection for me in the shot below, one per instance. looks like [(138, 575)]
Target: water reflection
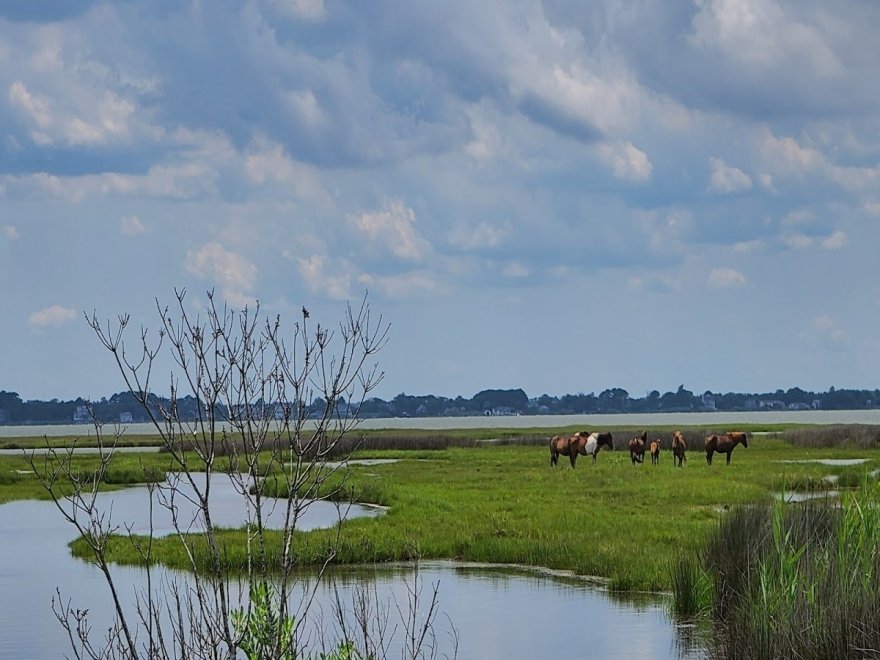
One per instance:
[(496, 613)]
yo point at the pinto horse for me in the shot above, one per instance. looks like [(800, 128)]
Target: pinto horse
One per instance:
[(724, 444), (637, 448), (582, 442), (589, 445), (679, 447), (655, 452)]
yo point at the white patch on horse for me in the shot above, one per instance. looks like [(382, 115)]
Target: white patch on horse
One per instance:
[(592, 441)]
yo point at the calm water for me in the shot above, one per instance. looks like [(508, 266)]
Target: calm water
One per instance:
[(496, 613), (532, 421)]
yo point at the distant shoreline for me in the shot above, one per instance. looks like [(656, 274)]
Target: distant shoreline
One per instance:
[(527, 421)]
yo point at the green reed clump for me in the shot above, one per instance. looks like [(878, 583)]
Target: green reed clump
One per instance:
[(691, 587), (795, 580)]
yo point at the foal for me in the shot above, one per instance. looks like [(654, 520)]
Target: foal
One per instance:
[(655, 452)]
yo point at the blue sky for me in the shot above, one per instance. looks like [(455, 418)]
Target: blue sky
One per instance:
[(560, 196)]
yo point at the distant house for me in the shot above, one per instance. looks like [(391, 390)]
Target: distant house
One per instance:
[(708, 401), (81, 415), (502, 411), (771, 404), (125, 418), (797, 405)]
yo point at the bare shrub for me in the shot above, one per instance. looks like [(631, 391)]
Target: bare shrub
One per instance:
[(271, 401)]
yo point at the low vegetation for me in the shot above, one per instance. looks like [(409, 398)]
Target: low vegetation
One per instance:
[(495, 498)]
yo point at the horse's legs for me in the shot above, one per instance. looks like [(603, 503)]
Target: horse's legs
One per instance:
[(573, 456), (728, 457), (594, 455), (709, 457), (553, 458)]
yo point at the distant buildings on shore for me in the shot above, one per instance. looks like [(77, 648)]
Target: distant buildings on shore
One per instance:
[(125, 408)]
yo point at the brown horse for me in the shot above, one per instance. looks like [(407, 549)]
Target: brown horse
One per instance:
[(655, 452), (559, 446), (679, 447), (724, 444), (637, 448)]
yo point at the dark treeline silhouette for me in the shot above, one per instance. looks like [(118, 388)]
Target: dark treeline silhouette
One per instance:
[(123, 407)]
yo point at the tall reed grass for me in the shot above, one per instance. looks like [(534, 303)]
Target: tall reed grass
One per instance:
[(799, 581)]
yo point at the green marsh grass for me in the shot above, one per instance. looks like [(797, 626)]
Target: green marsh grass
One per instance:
[(501, 502)]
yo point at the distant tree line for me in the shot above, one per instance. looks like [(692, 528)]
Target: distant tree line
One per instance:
[(123, 407)]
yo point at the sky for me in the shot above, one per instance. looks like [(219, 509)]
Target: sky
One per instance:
[(558, 195)]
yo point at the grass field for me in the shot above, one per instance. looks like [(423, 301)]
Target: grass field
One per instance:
[(502, 502)]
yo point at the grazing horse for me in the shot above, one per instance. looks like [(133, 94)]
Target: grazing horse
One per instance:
[(589, 445), (679, 447), (724, 444), (655, 452), (582, 442), (637, 448)]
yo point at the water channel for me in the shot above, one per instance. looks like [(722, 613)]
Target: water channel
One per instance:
[(495, 612)]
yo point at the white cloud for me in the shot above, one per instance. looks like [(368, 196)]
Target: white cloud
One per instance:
[(786, 156), (35, 106), (766, 181), (307, 108), (824, 331), (855, 178), (308, 9), (404, 285), (131, 225), (176, 181), (759, 34), (726, 178), (798, 218), (103, 119), (267, 161), (835, 240), (315, 273), (745, 247), (515, 269), (726, 278), (483, 235), (10, 232), (234, 273), (872, 208), (486, 143), (55, 315), (627, 161), (797, 241), (394, 228)]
